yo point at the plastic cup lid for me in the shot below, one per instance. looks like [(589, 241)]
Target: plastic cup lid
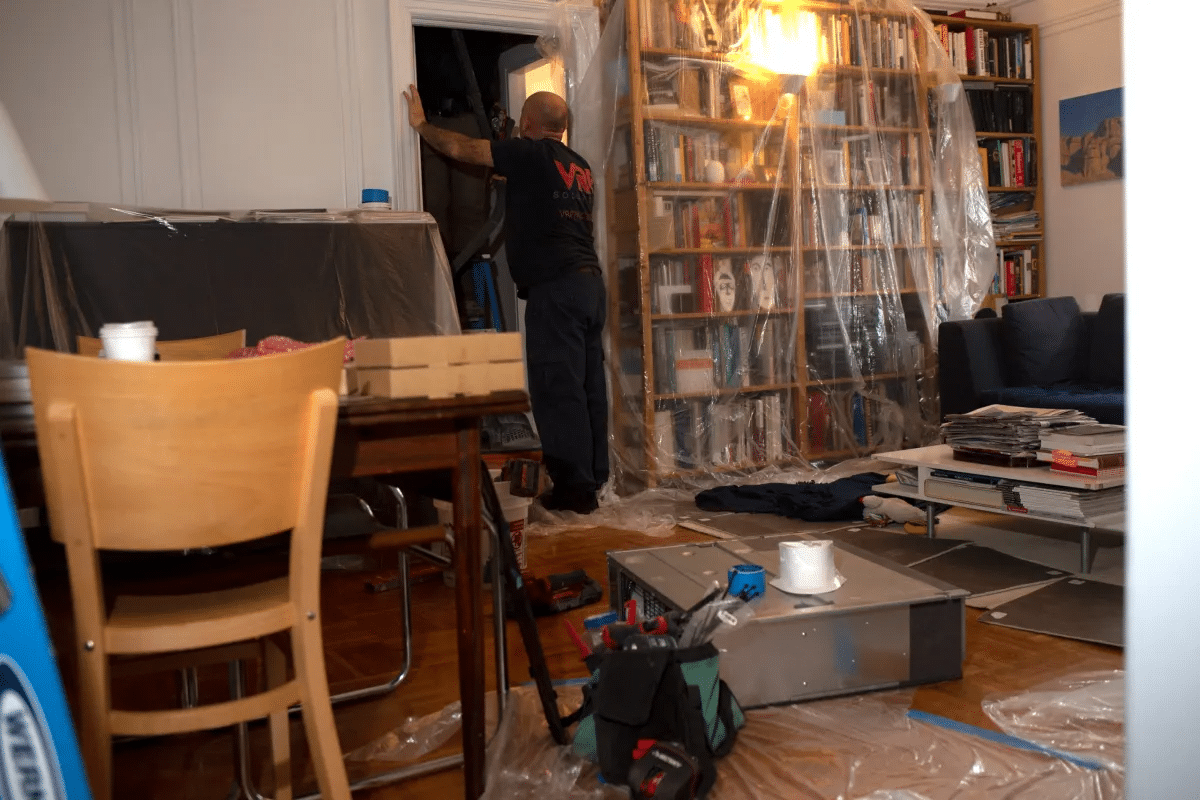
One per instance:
[(140, 327)]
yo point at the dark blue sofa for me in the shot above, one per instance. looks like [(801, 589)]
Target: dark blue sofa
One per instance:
[(1042, 353)]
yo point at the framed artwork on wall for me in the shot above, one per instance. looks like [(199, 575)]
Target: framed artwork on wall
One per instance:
[(1090, 137)]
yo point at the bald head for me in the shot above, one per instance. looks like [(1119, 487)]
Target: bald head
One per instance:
[(544, 116)]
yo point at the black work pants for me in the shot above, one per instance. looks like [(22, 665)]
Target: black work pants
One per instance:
[(564, 353)]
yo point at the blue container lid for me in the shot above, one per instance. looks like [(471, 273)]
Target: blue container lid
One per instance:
[(374, 195), (597, 621)]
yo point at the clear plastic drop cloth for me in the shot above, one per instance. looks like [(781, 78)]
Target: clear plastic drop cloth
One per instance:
[(790, 200), (852, 748), (305, 275), (1081, 715)]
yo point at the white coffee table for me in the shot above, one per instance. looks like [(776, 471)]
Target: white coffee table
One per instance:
[(941, 457)]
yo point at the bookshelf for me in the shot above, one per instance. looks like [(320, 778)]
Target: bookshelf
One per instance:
[(776, 235), (997, 62)]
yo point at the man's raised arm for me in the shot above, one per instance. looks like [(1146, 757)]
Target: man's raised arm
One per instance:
[(449, 143)]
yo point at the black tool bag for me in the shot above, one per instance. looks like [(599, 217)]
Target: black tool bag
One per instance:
[(644, 695)]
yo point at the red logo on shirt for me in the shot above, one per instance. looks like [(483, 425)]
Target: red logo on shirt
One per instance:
[(576, 172)]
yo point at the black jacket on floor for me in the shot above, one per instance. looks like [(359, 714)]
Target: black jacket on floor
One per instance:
[(813, 502)]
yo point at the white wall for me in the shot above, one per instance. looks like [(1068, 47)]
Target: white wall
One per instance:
[(227, 104), (202, 104), (1080, 54)]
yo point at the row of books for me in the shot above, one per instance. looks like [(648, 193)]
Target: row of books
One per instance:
[(1009, 162), (696, 221), (682, 154), (689, 86), (721, 284), (841, 420), (886, 271), (719, 220), (704, 358), (858, 39), (1059, 502), (866, 40), (678, 154), (741, 431), (975, 51), (1017, 272), (1000, 108), (689, 25), (880, 219)]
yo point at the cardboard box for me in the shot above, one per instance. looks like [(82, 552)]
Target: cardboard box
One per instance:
[(439, 366)]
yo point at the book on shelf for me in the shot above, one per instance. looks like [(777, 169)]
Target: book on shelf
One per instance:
[(979, 13), (1098, 473), (1092, 435), (980, 494), (1067, 458), (701, 433), (664, 439)]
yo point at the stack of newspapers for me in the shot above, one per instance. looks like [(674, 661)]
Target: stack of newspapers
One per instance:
[(1005, 435)]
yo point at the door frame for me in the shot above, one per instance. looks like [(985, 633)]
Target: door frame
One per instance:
[(503, 16)]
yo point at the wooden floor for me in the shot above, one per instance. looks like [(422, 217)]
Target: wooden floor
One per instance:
[(363, 646)]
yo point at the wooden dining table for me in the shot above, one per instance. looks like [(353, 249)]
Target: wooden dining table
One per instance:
[(383, 436), (380, 436)]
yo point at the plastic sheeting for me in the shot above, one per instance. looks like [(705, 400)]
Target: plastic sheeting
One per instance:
[(853, 748), (1081, 715), (793, 200), (307, 276)]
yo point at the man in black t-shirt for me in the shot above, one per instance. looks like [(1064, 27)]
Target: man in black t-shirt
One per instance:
[(552, 258)]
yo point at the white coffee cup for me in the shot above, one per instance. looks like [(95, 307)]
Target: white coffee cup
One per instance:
[(129, 341), (807, 567)]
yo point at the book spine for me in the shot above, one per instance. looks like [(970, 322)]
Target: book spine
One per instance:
[(818, 420), (664, 440), (651, 145), (704, 284), (1065, 458), (1088, 472)]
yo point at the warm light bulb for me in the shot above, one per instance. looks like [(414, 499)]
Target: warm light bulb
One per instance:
[(784, 42)]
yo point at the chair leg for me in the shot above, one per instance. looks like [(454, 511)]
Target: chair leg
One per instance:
[(275, 663), (317, 710), (95, 737)]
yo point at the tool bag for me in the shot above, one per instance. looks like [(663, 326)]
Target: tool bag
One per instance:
[(637, 696)]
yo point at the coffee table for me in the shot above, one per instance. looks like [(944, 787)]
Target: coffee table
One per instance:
[(941, 458)]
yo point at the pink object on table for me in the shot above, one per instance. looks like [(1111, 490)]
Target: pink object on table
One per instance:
[(282, 344)]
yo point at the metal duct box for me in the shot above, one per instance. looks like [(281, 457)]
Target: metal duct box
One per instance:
[(887, 626)]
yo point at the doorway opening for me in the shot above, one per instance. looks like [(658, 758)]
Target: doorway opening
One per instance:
[(459, 195)]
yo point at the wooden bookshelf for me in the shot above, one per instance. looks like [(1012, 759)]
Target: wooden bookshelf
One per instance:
[(774, 274), (1020, 264)]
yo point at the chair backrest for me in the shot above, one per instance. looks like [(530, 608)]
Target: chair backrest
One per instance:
[(170, 456), (199, 349)]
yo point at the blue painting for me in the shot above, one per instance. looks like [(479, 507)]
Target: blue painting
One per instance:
[(1091, 137)]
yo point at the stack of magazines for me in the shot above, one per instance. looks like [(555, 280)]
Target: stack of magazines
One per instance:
[(1072, 504), (1005, 435)]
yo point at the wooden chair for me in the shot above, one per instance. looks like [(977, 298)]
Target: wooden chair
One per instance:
[(199, 349), (169, 456)]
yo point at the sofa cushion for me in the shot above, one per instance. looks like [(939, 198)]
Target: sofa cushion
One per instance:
[(1044, 342), (1106, 364), (1100, 404)]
